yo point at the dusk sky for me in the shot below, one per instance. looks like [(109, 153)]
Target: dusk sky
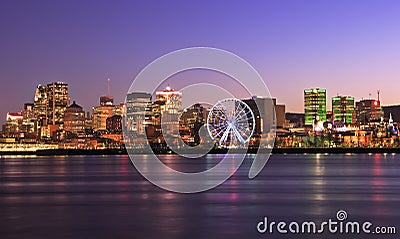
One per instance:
[(348, 47)]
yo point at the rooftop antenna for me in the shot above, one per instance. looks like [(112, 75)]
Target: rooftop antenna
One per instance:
[(108, 86), (379, 92)]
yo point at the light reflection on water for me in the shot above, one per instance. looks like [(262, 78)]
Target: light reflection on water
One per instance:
[(104, 196)]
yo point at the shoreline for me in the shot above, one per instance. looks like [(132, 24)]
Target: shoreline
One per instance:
[(60, 152)]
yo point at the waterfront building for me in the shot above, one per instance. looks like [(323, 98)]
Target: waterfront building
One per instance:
[(294, 120), (105, 110), (28, 121), (40, 108), (343, 109), (369, 110), (170, 103), (393, 110), (12, 127), (190, 123), (57, 102), (314, 105), (138, 107), (267, 114), (74, 120), (100, 115)]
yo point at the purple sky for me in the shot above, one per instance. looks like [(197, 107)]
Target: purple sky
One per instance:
[(349, 47)]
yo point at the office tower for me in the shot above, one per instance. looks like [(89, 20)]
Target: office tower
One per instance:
[(138, 108), (314, 105), (74, 120), (57, 102), (170, 102), (368, 110), (40, 108), (343, 109), (28, 122)]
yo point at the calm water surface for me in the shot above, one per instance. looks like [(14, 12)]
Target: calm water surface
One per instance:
[(105, 197)]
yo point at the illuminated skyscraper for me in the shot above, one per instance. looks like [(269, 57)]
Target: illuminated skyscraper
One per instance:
[(57, 102), (138, 106), (170, 102), (28, 123), (343, 108), (40, 107), (314, 105)]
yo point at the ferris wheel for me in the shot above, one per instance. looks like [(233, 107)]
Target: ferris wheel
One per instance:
[(231, 122)]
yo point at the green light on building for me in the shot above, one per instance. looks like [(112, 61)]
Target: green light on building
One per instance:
[(343, 108), (314, 105)]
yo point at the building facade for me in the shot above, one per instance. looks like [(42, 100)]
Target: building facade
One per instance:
[(368, 110), (74, 120), (343, 109), (314, 105), (40, 108), (104, 111), (138, 108), (170, 103), (57, 102)]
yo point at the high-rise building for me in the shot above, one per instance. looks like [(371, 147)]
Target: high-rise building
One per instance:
[(74, 120), (40, 108), (28, 122), (57, 102), (368, 110), (138, 108), (314, 105), (343, 109), (170, 102)]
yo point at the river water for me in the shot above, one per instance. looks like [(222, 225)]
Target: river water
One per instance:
[(105, 197)]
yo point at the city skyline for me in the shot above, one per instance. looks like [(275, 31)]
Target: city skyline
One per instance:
[(108, 99), (349, 48)]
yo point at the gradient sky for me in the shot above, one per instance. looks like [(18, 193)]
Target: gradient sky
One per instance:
[(350, 47)]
